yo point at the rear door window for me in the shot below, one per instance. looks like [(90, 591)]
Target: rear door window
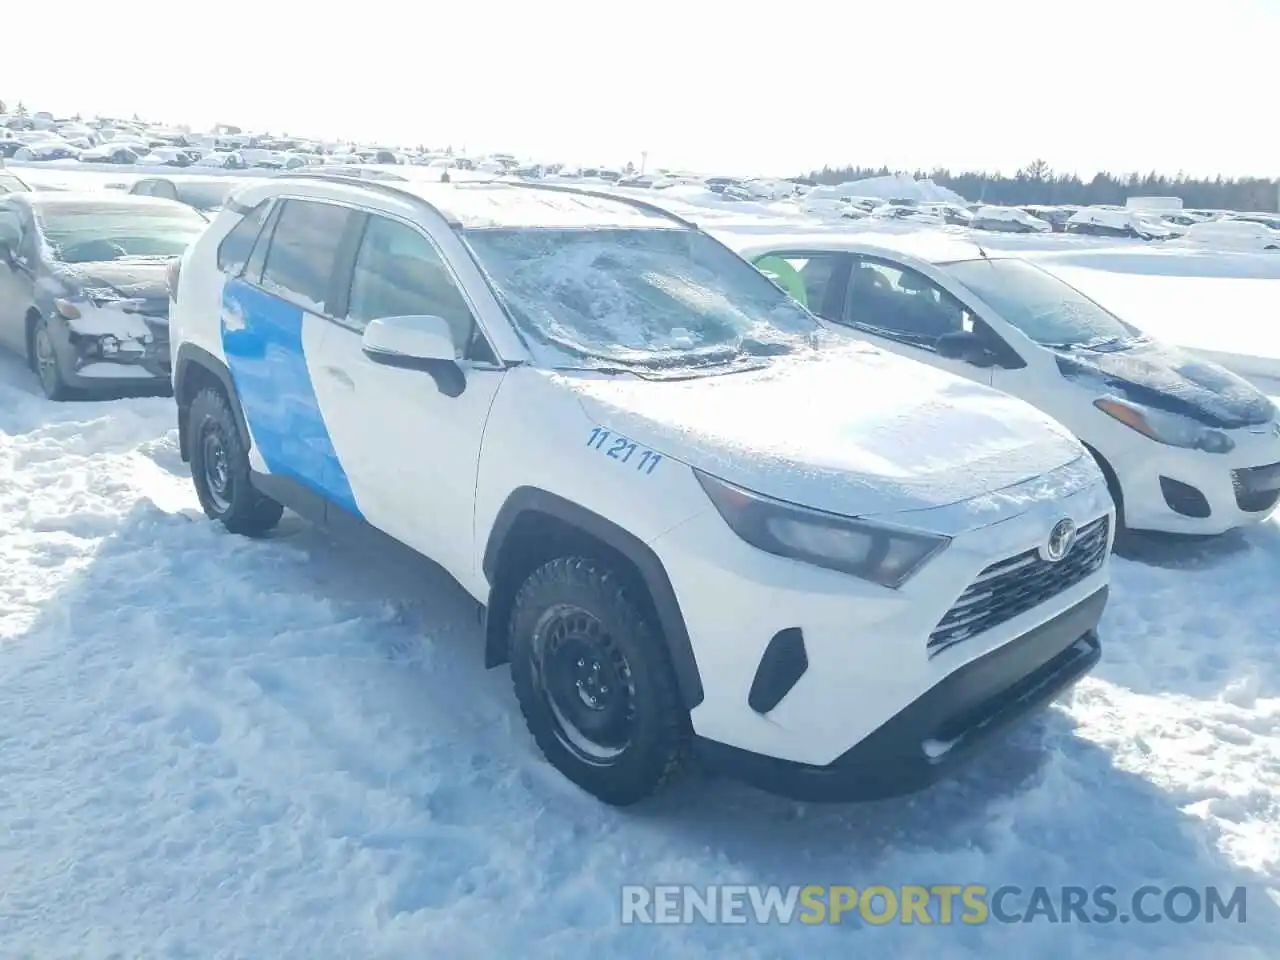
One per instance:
[(898, 302), (303, 255)]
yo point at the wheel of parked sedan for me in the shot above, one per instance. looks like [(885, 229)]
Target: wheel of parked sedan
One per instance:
[(595, 685), (220, 469), (45, 361)]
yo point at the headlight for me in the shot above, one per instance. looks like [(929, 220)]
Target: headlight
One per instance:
[(1164, 427), (868, 551), (99, 296)]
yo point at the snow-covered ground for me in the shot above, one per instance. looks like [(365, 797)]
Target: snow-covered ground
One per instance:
[(213, 747)]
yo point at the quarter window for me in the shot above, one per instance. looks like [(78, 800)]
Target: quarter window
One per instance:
[(235, 247), (303, 252), (399, 273), (806, 276)]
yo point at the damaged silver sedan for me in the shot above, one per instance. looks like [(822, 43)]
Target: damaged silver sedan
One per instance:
[(83, 298)]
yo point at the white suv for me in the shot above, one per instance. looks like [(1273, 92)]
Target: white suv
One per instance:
[(695, 516)]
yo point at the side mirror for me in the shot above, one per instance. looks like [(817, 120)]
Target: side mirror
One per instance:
[(416, 343), (964, 345)]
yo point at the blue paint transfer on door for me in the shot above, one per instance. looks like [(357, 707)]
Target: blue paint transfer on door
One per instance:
[(262, 341)]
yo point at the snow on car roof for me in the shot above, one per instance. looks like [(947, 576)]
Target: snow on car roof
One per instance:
[(498, 204), (929, 245), (93, 200)]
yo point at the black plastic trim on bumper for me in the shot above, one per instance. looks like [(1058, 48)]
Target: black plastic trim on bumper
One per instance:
[(784, 662), (966, 709)]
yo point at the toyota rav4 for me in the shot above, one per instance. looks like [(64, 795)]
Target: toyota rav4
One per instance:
[(697, 518)]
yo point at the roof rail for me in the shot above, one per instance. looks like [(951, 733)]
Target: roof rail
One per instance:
[(393, 188), (602, 195), (390, 188)]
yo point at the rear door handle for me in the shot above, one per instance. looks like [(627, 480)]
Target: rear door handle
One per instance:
[(340, 375)]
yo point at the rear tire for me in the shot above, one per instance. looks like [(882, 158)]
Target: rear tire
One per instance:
[(220, 469), (594, 682)]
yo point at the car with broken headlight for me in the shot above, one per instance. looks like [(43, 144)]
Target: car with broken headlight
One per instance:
[(82, 287)]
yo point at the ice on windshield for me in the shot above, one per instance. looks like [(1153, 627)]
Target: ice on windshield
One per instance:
[(88, 233), (1043, 307), (638, 295)]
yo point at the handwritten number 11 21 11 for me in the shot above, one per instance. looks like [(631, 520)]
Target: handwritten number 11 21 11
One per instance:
[(623, 450)]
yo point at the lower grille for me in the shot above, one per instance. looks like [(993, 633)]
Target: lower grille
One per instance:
[(1257, 488), (1020, 583)]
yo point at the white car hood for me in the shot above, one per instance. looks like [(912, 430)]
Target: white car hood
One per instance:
[(852, 430)]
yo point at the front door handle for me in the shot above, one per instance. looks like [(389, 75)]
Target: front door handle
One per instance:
[(340, 375)]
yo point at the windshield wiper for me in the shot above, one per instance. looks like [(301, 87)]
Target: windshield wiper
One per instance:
[(1093, 344)]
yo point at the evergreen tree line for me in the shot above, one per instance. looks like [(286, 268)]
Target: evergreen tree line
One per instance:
[(1037, 183)]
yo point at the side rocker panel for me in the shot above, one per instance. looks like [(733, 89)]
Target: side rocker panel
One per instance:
[(675, 633)]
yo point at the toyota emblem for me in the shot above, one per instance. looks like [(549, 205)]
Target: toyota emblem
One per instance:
[(1061, 537)]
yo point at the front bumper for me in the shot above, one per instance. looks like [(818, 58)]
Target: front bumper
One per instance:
[(802, 664), (930, 737), (1188, 491), (132, 351)]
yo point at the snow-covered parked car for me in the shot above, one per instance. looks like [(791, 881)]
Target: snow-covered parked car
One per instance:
[(40, 151), (202, 193), (1186, 445), (1008, 220), (1233, 234), (168, 157), (82, 286), (223, 160), (1056, 215), (611, 430), (112, 153), (1118, 222), (909, 210)]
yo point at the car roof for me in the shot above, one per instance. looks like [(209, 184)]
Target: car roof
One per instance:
[(931, 246), (98, 199), (478, 204)]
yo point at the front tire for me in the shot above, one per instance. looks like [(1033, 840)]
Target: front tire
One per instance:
[(220, 469), (594, 682), (45, 363)]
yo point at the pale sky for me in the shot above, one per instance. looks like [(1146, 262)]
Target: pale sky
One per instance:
[(753, 87)]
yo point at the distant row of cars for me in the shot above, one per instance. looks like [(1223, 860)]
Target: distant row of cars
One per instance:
[(42, 138), (1214, 228), (805, 528), (1217, 228)]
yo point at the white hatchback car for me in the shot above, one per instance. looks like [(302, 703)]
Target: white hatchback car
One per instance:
[(1187, 446), (618, 437)]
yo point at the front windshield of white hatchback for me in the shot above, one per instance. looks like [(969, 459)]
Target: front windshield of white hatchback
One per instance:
[(649, 297), (1046, 309)]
